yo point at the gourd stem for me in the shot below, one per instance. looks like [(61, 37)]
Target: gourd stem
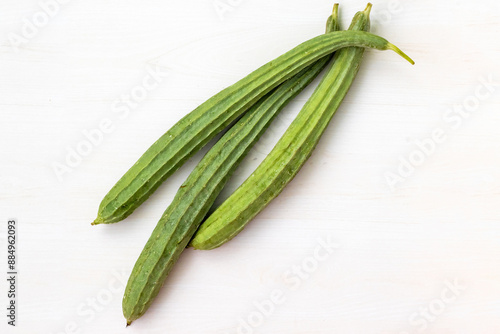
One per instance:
[(335, 10), (368, 9), (399, 52)]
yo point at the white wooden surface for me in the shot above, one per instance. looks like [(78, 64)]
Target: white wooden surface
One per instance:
[(399, 249)]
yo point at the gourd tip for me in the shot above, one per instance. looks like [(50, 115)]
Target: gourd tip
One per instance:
[(97, 221), (129, 322), (401, 53)]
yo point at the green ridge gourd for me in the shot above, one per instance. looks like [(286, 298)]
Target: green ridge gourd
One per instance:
[(195, 129), (289, 154), (193, 200)]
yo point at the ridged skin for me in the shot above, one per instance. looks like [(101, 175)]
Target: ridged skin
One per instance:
[(193, 131), (289, 154), (193, 200)]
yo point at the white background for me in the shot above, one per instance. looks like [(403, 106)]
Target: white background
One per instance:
[(399, 248)]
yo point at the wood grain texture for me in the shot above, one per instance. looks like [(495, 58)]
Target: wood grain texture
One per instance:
[(397, 248)]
